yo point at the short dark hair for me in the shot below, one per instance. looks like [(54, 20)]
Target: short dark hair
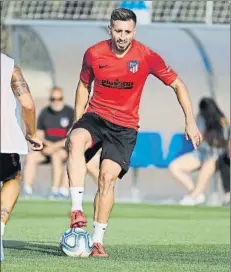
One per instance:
[(123, 14)]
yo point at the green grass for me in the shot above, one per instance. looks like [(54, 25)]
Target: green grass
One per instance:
[(139, 238)]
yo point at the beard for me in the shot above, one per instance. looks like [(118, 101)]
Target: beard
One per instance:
[(122, 49)]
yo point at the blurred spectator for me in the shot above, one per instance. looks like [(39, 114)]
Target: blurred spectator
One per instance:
[(215, 130), (53, 124), (223, 165)]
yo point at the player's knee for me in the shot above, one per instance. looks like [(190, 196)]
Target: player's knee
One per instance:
[(106, 182), (77, 143)]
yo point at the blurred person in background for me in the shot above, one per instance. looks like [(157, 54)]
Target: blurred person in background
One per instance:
[(53, 124), (14, 91), (223, 165), (215, 130)]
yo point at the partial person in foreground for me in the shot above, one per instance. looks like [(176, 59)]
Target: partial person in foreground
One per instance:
[(119, 68), (14, 90), (215, 130)]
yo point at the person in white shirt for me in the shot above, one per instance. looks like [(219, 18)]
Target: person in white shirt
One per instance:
[(14, 93)]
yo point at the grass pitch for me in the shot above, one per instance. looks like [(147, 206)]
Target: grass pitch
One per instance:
[(139, 238)]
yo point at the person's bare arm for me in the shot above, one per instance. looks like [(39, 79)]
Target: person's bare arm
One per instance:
[(81, 99), (22, 93), (41, 134), (191, 130)]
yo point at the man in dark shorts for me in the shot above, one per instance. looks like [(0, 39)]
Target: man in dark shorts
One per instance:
[(14, 90), (119, 68)]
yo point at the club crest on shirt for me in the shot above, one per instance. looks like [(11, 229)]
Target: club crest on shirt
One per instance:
[(133, 66), (64, 122)]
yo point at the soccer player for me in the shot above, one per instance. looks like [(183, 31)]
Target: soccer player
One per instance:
[(119, 68), (13, 143)]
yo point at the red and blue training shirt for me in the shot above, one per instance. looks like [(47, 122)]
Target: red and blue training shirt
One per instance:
[(119, 82)]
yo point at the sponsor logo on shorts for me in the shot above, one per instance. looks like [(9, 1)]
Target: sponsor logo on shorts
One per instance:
[(117, 84)]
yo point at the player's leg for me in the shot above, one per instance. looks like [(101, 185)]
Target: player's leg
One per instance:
[(104, 201), (83, 143), (79, 141), (57, 164), (115, 158), (182, 166), (30, 167), (93, 169), (11, 177)]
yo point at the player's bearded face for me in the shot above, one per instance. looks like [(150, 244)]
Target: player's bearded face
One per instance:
[(122, 34)]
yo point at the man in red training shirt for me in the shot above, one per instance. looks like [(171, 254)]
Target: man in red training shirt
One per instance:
[(119, 68)]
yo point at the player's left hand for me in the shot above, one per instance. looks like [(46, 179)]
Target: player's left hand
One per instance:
[(36, 143), (192, 133)]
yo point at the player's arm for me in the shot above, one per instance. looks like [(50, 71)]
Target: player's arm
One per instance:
[(22, 93), (81, 99), (184, 100), (170, 78), (191, 130), (84, 86)]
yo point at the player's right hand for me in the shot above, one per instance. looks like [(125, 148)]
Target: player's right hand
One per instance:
[(35, 142), (193, 133)]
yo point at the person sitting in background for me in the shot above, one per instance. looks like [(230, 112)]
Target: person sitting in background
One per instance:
[(223, 165), (53, 124), (214, 128)]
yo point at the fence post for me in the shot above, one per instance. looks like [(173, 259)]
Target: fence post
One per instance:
[(209, 13)]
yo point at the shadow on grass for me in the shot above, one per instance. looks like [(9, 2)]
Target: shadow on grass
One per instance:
[(33, 247), (182, 254)]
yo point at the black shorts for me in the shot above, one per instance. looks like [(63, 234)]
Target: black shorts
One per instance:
[(117, 142), (10, 166)]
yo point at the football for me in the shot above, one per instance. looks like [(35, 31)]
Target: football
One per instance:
[(76, 242)]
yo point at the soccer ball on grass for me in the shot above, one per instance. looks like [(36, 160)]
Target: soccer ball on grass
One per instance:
[(76, 242)]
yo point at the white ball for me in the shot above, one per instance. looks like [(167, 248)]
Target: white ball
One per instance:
[(76, 242)]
